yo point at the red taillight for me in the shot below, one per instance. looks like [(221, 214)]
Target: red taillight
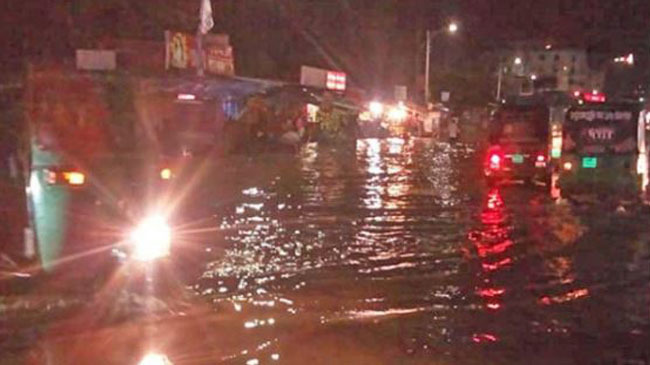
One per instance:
[(495, 161), (541, 158)]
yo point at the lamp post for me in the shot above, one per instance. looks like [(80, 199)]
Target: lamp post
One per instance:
[(452, 28)]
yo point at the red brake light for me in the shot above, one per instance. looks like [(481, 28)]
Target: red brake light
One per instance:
[(541, 158), (495, 159)]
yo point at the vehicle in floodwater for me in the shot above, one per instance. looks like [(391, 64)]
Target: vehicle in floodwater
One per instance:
[(604, 152), (519, 145)]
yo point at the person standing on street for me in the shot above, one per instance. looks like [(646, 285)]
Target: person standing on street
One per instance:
[(454, 130)]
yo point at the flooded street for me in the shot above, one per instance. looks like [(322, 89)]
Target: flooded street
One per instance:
[(397, 253)]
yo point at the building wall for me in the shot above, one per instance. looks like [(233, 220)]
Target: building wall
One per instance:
[(565, 70)]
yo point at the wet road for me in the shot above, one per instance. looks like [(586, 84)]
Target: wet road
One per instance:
[(394, 254)]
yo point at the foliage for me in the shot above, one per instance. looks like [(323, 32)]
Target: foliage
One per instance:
[(119, 100), (472, 85)]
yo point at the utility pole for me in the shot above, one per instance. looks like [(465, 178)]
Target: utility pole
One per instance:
[(206, 22), (427, 69), (200, 62), (499, 81)]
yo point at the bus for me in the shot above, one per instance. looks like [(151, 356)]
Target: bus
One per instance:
[(604, 152)]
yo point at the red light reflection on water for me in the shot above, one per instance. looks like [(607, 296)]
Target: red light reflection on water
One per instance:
[(491, 292), (566, 297), (484, 251), (497, 265), (484, 337), (491, 242)]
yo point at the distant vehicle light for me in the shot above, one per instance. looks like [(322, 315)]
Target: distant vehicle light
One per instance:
[(376, 109), (186, 97), (155, 359), (74, 178), (166, 174), (595, 97), (151, 239), (568, 166), (495, 159), (397, 114), (541, 158)]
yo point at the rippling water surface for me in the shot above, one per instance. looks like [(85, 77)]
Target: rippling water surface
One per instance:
[(397, 253)]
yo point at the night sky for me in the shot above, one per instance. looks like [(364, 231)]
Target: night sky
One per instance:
[(273, 37)]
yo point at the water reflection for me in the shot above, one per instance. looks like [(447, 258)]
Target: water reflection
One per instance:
[(492, 243), (390, 253)]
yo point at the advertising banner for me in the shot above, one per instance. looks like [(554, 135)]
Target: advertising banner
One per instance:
[(181, 53)]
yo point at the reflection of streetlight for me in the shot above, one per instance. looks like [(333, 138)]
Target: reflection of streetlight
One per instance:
[(452, 28)]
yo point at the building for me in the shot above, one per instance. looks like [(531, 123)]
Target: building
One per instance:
[(529, 68)]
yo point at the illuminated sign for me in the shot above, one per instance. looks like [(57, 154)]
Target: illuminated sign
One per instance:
[(335, 81), (595, 98), (600, 115), (321, 78), (589, 162)]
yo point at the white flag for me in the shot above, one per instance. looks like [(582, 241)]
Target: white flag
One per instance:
[(206, 17)]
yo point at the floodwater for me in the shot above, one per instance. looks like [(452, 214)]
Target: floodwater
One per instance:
[(396, 253)]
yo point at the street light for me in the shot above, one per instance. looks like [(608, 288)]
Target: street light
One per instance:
[(452, 28), (628, 60), (518, 61)]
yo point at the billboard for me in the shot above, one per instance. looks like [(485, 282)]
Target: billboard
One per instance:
[(181, 53), (96, 60), (324, 79)]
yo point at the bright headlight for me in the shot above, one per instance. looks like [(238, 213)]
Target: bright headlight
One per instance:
[(397, 114), (155, 359), (151, 239)]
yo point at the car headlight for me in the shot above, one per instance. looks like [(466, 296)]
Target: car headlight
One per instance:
[(155, 359), (151, 239)]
